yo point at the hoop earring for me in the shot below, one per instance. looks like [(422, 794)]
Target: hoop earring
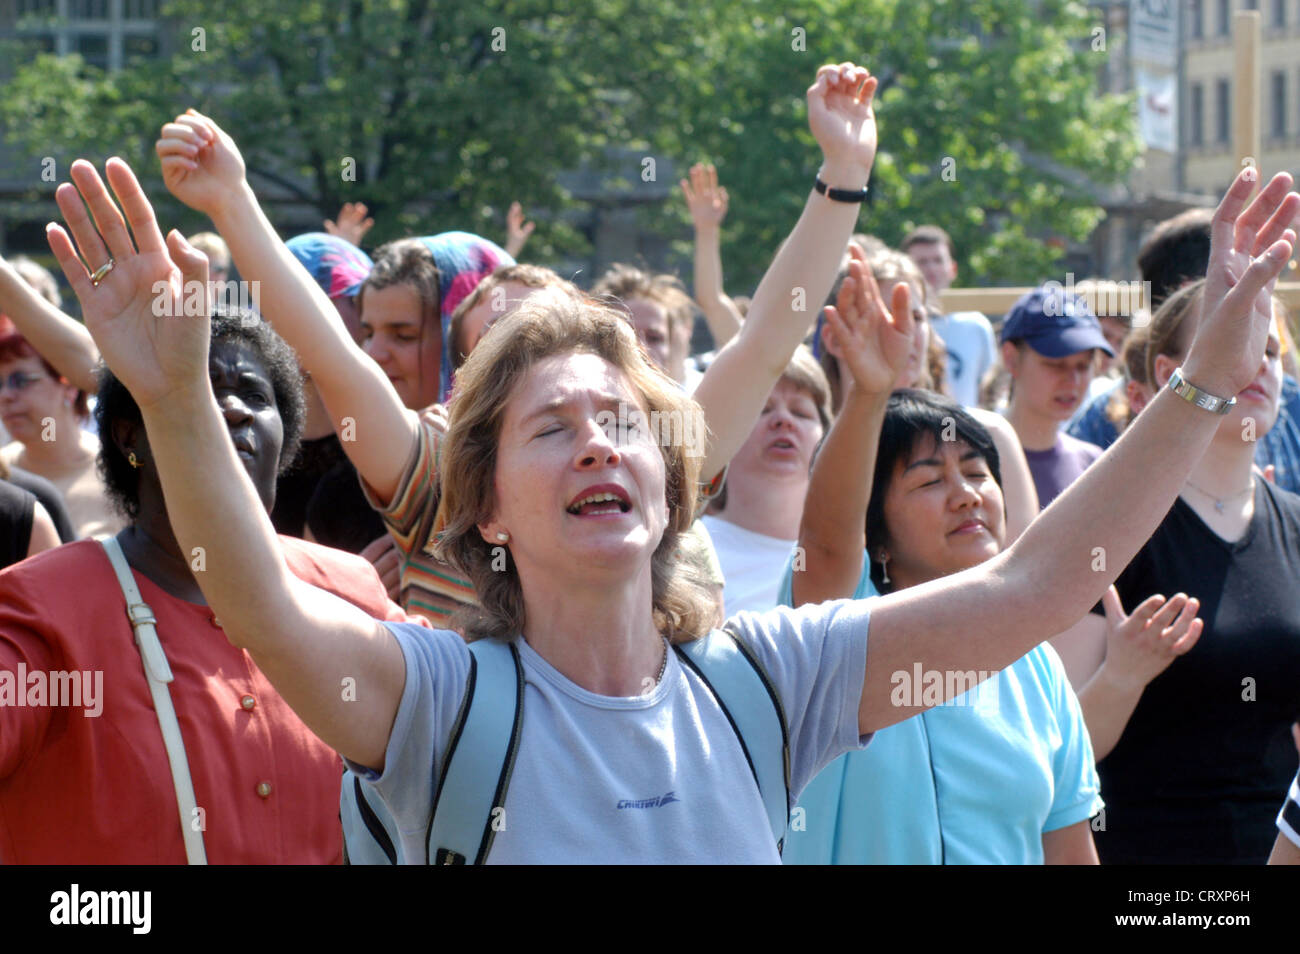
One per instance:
[(133, 460)]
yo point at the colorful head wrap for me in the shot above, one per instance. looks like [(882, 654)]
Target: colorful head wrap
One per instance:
[(337, 266), (463, 260)]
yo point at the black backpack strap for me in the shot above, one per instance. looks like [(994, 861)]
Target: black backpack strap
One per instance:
[(750, 702)]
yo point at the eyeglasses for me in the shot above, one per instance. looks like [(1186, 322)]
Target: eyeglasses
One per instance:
[(20, 381)]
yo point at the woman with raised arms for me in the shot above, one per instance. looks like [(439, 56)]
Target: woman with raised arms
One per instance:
[(591, 597)]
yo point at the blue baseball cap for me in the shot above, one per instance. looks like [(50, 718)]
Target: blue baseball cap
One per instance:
[(1055, 323)]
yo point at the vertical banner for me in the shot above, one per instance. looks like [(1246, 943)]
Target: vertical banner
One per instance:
[(1157, 92)]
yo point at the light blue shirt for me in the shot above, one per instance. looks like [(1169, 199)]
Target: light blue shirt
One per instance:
[(977, 780)]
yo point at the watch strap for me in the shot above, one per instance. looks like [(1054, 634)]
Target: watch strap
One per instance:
[(840, 195)]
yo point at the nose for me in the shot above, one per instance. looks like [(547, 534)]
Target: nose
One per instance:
[(780, 417), (963, 494), (377, 350), (596, 448), (234, 409)]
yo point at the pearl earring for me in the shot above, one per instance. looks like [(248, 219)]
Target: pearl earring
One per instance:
[(503, 537)]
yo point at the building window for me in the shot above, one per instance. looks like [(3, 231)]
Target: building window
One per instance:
[(1222, 111), (1195, 19), (1278, 83), (1279, 13), (1225, 17), (88, 10), (1196, 117)]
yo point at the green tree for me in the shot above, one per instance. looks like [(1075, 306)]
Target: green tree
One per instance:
[(438, 114)]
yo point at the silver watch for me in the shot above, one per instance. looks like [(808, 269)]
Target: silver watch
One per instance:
[(1194, 395)]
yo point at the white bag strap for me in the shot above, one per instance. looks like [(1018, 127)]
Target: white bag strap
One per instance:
[(159, 674)]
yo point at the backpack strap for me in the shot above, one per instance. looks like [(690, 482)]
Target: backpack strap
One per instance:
[(159, 675), (480, 757), (750, 703), (369, 835)]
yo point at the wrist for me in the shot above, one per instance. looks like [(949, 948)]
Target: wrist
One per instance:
[(844, 174), (234, 205), (706, 229), (1122, 682), (180, 407), (859, 396)]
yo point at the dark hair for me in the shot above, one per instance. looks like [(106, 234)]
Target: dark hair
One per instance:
[(1178, 251), (115, 403), (927, 235), (911, 415)]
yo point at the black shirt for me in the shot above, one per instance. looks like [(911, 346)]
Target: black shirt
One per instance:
[(1207, 755), (16, 509), (50, 499), (295, 487)]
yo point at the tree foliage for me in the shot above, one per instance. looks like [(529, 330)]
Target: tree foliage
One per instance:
[(438, 114)]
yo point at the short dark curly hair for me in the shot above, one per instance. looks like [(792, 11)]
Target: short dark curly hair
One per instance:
[(115, 403)]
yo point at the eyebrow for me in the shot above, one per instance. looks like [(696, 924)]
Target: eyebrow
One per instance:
[(560, 403), (971, 454)]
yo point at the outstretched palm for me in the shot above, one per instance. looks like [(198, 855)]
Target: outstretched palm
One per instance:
[(149, 314), (873, 343), (1247, 252)]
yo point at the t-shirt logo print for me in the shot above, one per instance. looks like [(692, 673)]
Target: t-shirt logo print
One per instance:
[(657, 802)]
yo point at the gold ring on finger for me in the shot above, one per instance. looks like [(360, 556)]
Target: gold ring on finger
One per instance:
[(99, 274)]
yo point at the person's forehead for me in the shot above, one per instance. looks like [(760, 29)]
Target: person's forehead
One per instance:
[(232, 356), (928, 445), (576, 377), (27, 362), (644, 311), (927, 250), (391, 305)]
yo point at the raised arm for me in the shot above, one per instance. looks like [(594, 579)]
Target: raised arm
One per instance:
[(517, 230), (988, 616), (707, 203), (745, 371), (203, 168), (58, 338), (873, 347), (305, 640)]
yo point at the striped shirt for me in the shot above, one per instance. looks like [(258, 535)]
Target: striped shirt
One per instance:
[(430, 587)]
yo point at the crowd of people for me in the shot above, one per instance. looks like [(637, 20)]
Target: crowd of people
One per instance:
[(865, 583)]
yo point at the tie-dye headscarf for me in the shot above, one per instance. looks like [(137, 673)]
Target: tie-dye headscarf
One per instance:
[(463, 260), (338, 266)]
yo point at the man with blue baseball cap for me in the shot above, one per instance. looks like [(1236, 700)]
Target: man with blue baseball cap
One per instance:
[(1050, 342)]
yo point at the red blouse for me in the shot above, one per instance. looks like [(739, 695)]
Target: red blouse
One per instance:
[(98, 790)]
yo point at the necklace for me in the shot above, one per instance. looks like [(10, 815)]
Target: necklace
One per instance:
[(1220, 501), (662, 667)]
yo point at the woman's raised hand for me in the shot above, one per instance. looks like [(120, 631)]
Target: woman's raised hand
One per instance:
[(148, 312), (841, 118), (201, 164), (872, 343), (1248, 250), (1141, 646), (705, 199)]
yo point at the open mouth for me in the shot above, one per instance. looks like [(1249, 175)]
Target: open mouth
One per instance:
[(782, 443), (597, 501)]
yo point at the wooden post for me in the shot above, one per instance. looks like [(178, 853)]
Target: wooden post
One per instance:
[(1245, 89)]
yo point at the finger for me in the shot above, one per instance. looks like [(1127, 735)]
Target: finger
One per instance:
[(857, 252), (139, 213), (1167, 613), (712, 173), (1262, 271), (846, 299), (89, 245), (1275, 228), (73, 268), (1194, 630), (182, 132), (1258, 212), (171, 163), (330, 227), (831, 320), (1179, 626), (374, 549), (108, 219), (1113, 608), (175, 147), (1145, 610), (192, 263), (900, 308), (1295, 734), (1225, 216), (201, 126), (686, 191), (868, 92)]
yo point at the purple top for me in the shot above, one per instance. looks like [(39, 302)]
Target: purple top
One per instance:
[(1056, 468)]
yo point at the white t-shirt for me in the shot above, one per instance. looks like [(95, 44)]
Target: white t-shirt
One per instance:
[(752, 564), (968, 337), (653, 779)]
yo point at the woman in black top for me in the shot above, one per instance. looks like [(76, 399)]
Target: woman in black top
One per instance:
[(25, 527), (1200, 753)]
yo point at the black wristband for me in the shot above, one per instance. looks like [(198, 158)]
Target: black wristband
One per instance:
[(840, 195)]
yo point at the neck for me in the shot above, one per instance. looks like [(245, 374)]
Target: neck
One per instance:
[(599, 633), (1225, 470), (771, 506), (316, 420), (150, 546), (1037, 432), (66, 449)]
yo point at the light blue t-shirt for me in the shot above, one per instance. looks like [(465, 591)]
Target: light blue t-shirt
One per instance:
[(968, 338), (653, 779), (977, 780)]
